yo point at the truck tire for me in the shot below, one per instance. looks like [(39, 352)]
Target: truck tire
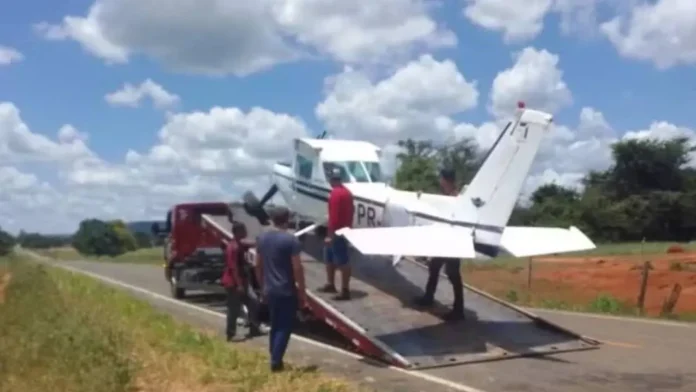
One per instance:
[(177, 292), (253, 207)]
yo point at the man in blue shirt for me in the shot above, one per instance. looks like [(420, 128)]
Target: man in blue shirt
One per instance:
[(281, 276)]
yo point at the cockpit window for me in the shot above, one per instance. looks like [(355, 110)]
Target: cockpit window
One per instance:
[(355, 171), (375, 171), (329, 167)]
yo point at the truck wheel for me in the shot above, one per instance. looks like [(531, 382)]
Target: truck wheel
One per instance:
[(177, 292), (253, 207)]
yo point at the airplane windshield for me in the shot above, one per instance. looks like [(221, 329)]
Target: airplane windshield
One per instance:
[(355, 171)]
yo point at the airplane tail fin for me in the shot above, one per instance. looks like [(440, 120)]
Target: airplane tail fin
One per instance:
[(492, 193)]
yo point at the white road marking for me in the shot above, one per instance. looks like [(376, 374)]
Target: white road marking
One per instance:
[(417, 374), (628, 319)]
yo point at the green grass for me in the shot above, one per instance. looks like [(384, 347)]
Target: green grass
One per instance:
[(603, 303), (634, 248), (141, 256), (63, 332), (618, 249)]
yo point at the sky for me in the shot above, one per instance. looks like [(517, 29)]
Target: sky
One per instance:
[(121, 108)]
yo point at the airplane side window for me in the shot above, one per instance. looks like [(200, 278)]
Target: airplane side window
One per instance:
[(304, 167)]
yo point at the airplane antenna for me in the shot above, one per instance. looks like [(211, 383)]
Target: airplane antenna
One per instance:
[(322, 135)]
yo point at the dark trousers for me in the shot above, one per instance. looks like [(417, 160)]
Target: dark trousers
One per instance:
[(282, 311), (453, 272), (235, 300)]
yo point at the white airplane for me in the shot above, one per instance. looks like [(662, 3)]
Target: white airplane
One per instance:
[(392, 222)]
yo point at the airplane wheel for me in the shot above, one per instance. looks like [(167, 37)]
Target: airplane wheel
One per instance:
[(253, 207)]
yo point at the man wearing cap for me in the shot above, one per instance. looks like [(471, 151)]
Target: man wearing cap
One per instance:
[(336, 254), (452, 265)]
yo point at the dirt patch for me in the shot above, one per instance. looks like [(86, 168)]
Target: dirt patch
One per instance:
[(577, 281), (683, 257), (5, 278)]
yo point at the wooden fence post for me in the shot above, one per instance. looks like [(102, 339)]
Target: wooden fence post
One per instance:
[(671, 302), (529, 279), (643, 286)]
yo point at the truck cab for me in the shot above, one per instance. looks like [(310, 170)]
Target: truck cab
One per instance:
[(193, 256)]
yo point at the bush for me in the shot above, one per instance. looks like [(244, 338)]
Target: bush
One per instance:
[(98, 238), (7, 243)]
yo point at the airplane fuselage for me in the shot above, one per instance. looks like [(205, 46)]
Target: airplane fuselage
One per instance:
[(378, 205)]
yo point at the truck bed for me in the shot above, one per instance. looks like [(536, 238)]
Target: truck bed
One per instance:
[(381, 311)]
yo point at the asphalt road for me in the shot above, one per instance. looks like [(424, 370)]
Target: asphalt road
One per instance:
[(637, 355)]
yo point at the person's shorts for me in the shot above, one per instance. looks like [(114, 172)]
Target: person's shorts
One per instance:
[(336, 252)]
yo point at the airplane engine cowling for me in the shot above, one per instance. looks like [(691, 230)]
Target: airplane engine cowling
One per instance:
[(396, 215)]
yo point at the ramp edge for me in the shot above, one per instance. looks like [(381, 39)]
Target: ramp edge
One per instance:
[(535, 317)]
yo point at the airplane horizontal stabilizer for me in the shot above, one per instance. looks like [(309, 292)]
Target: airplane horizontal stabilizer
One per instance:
[(423, 241), (538, 241)]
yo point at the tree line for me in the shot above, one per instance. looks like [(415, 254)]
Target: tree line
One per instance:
[(93, 237), (648, 191)]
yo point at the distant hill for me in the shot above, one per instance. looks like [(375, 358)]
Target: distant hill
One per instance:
[(142, 226)]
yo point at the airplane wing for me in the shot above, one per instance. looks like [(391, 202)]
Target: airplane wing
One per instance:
[(536, 241), (427, 241)]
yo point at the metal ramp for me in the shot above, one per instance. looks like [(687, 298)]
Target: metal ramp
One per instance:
[(380, 321)]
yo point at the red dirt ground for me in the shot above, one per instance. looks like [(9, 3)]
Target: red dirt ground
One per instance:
[(579, 280)]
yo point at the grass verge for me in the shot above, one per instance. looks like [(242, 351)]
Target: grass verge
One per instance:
[(140, 256), (64, 332)]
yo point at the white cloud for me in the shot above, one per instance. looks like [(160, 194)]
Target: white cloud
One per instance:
[(535, 78), (518, 20), (362, 30), (523, 20), (578, 17), (132, 96), (18, 144), (217, 38), (415, 101), (9, 55), (663, 32), (213, 155)]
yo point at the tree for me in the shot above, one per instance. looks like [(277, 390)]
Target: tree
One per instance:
[(643, 165), (41, 241), (420, 160), (417, 167), (7, 243), (97, 238), (464, 157), (126, 239)]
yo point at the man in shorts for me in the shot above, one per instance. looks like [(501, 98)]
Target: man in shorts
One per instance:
[(336, 253)]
